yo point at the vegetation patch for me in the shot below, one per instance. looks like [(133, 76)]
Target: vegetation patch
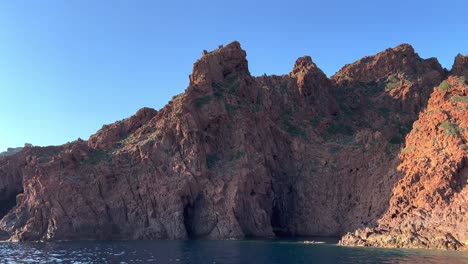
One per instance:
[(230, 85), (211, 160), (97, 156), (335, 149), (370, 88), (233, 88), (449, 128), (334, 129), (344, 107), (283, 88), (460, 99), (390, 149), (364, 89), (237, 155), (47, 156), (349, 140), (231, 79), (409, 149), (383, 111), (200, 102), (230, 108), (462, 80), (217, 89), (316, 121), (392, 83), (258, 103), (405, 128), (129, 139), (292, 129), (396, 140), (444, 86)]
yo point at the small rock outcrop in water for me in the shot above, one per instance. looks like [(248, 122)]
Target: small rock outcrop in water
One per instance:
[(373, 153)]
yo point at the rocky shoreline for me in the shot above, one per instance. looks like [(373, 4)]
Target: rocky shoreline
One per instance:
[(376, 153)]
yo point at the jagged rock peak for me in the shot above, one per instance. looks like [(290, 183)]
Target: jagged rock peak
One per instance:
[(460, 65), (400, 59), (304, 64), (214, 66), (314, 85), (404, 48)]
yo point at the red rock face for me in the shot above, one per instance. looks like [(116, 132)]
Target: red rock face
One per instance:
[(216, 65), (238, 156), (113, 133), (428, 205)]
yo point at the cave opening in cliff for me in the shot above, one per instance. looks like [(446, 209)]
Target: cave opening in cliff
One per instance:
[(277, 222), (7, 204), (188, 220)]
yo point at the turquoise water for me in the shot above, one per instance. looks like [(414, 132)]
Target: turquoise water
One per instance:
[(199, 251)]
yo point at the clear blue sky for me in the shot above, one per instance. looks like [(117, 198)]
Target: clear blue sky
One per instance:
[(68, 67)]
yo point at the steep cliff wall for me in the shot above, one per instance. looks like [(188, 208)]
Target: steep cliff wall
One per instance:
[(237, 156), (428, 205)]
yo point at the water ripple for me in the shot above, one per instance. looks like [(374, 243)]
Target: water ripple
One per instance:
[(214, 252)]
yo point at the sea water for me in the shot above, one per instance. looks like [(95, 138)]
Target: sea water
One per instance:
[(211, 252)]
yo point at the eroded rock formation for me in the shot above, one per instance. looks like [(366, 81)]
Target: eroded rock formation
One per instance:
[(429, 204), (239, 156)]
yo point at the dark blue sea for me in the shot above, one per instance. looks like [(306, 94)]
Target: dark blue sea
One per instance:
[(211, 252)]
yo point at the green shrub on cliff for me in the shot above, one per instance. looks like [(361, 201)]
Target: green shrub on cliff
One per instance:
[(392, 83), (96, 157), (449, 128), (217, 89), (211, 160), (462, 80), (199, 102), (290, 127), (444, 86), (460, 99)]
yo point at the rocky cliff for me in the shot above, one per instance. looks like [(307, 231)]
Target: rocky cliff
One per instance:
[(10, 152), (428, 205), (239, 156)]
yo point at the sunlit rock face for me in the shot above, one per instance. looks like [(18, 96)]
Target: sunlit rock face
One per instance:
[(365, 154)]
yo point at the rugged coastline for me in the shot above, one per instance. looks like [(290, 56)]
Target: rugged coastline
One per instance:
[(377, 154)]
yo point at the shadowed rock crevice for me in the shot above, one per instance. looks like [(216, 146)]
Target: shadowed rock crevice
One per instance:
[(278, 221), (188, 220), (7, 204)]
